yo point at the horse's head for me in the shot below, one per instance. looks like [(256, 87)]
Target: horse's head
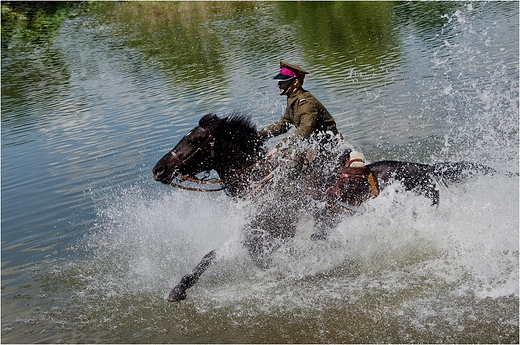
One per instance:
[(214, 143), (192, 154)]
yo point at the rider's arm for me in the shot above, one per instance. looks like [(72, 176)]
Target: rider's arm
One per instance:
[(279, 127)]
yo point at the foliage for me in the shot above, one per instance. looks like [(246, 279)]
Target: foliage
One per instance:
[(32, 21)]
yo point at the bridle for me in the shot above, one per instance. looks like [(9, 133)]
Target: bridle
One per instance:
[(210, 140)]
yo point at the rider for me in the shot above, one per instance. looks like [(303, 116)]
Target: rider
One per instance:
[(303, 110), (311, 121)]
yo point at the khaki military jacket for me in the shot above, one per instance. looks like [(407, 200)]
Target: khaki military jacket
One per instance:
[(304, 112)]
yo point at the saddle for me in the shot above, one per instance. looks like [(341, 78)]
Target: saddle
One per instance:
[(354, 182)]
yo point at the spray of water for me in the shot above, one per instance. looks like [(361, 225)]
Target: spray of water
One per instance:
[(402, 271)]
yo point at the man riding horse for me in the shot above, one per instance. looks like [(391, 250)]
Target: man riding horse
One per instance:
[(303, 110), (282, 191), (311, 121)]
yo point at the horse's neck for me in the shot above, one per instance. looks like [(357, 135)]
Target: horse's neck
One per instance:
[(241, 174)]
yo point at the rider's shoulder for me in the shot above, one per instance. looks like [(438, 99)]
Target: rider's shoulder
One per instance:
[(305, 97)]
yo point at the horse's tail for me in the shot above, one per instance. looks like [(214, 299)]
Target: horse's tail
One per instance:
[(459, 171)]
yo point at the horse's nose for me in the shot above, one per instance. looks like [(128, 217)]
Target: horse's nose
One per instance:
[(158, 172)]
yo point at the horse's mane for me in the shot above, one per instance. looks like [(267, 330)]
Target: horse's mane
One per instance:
[(239, 129)]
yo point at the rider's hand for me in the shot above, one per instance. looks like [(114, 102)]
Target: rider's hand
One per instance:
[(271, 152)]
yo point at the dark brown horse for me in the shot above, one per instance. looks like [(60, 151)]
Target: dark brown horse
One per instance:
[(284, 188)]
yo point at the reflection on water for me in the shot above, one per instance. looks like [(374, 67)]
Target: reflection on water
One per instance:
[(171, 35), (91, 244), (32, 22)]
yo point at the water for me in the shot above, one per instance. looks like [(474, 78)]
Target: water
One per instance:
[(91, 244)]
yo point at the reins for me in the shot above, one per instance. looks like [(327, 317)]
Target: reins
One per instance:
[(218, 181), (199, 181), (195, 189)]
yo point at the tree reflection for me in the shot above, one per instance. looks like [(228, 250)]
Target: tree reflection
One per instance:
[(32, 21), (194, 42), (177, 35), (357, 31)]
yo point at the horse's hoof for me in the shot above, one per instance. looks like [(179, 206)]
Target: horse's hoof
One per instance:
[(177, 294)]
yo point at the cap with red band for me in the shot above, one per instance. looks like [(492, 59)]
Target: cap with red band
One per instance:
[(288, 72)]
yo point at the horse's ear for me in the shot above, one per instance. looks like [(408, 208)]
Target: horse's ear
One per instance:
[(208, 120)]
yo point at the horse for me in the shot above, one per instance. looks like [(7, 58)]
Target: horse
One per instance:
[(324, 187)]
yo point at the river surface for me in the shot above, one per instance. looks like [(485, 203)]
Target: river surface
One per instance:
[(91, 245)]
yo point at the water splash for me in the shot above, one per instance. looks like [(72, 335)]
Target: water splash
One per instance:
[(402, 258), (481, 99), (401, 272)]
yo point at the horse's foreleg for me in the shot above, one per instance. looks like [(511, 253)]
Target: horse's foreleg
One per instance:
[(178, 293)]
